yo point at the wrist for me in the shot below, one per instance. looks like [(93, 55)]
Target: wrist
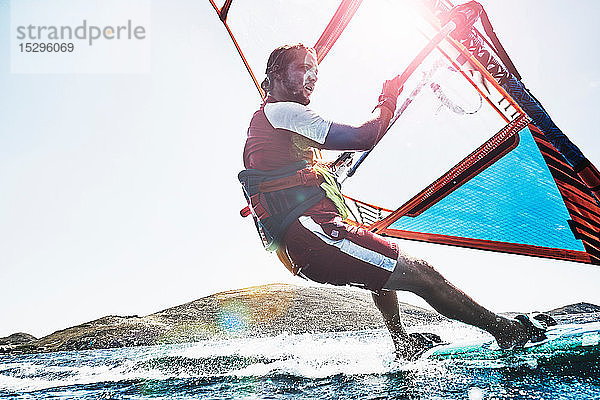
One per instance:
[(387, 103)]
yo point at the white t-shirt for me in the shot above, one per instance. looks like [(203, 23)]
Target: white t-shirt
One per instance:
[(297, 118)]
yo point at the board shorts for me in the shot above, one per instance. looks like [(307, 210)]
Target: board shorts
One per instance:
[(329, 250)]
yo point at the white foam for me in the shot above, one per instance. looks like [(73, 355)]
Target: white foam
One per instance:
[(306, 355)]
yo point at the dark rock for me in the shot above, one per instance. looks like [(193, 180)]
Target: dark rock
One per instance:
[(576, 313), (578, 308), (255, 311), (16, 339)]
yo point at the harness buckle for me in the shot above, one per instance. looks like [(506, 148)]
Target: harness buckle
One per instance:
[(308, 176)]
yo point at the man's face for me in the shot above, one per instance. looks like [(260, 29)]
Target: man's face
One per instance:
[(299, 77)]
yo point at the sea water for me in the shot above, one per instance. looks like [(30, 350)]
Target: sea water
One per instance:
[(346, 365)]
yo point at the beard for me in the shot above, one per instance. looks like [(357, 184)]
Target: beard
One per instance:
[(296, 91)]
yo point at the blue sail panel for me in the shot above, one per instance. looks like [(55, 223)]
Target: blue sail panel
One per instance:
[(515, 200)]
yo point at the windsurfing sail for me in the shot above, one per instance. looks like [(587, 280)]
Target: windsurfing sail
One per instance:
[(504, 177)]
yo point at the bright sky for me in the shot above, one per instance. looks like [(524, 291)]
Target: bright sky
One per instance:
[(118, 193)]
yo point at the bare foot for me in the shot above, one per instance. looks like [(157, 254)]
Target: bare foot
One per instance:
[(520, 331), (415, 344), (510, 337)]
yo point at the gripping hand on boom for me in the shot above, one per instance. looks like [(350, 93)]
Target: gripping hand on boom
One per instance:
[(389, 94)]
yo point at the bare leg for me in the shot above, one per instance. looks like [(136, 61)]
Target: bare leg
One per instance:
[(418, 277), (387, 303)]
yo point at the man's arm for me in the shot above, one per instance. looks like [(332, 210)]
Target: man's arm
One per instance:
[(298, 118), (365, 136)]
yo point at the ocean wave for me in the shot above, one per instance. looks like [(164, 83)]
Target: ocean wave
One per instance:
[(286, 356)]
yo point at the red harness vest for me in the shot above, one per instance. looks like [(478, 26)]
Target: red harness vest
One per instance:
[(268, 148)]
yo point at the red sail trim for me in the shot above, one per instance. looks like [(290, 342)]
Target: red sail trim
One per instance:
[(368, 205), (582, 207), (592, 246), (579, 215), (577, 196), (555, 162), (215, 7), (551, 152), (582, 211), (368, 214), (569, 179), (567, 191), (222, 13), (225, 10), (555, 158), (537, 133), (591, 176), (480, 244), (565, 174), (336, 26), (452, 179), (583, 231), (582, 221), (585, 218)]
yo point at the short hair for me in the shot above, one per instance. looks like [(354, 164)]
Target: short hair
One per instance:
[(279, 59)]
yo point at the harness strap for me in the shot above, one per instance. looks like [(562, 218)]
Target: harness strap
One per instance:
[(244, 212), (259, 210), (304, 177), (286, 260)]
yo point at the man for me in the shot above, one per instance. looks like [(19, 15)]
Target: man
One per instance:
[(304, 222)]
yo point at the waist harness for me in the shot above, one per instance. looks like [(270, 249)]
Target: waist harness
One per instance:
[(277, 198)]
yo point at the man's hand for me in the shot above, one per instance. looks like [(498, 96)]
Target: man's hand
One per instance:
[(389, 94), (392, 88)]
